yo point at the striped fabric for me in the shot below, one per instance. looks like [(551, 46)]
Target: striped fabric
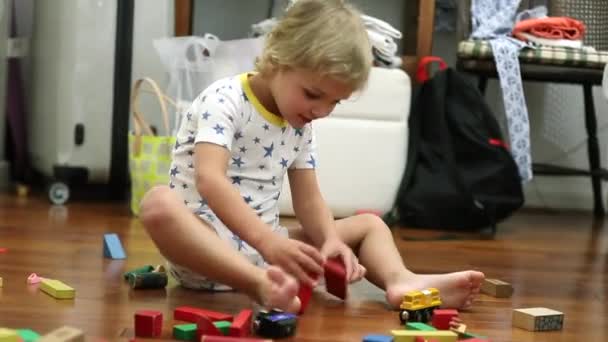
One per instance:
[(481, 49)]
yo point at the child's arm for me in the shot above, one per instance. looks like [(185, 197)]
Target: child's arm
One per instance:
[(317, 220), (210, 164)]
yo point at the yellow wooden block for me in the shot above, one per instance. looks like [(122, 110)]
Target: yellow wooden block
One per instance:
[(9, 335), (410, 335), (57, 289), (63, 334)]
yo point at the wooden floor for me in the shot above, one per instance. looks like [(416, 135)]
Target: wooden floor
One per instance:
[(555, 260)]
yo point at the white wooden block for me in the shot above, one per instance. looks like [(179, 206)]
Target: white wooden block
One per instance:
[(538, 319)]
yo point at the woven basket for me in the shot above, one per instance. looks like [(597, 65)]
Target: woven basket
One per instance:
[(594, 13)]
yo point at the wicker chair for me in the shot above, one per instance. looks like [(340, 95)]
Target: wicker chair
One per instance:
[(546, 65)]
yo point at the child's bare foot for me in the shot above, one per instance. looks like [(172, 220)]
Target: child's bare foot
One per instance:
[(457, 290), (279, 290)]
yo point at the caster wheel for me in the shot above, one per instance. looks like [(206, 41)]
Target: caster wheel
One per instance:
[(59, 193)]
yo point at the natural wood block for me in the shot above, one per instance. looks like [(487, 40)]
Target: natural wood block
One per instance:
[(0, 281), (63, 334), (538, 319), (497, 288), (9, 335), (57, 289), (410, 335)]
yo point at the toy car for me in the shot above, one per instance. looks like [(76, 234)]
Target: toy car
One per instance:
[(275, 324), (418, 306)]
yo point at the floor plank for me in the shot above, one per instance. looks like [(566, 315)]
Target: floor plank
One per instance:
[(554, 259)]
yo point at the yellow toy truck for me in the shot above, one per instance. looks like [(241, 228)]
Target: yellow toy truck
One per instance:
[(418, 306)]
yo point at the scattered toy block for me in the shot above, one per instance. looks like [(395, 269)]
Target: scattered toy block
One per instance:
[(191, 314), (57, 289), (143, 269), (148, 323), (204, 326), (459, 329), (206, 338), (496, 288), (185, 332), (419, 326), (538, 319), (410, 335), (9, 335), (64, 334), (241, 325), (335, 277), (112, 247), (442, 318), (28, 335), (377, 338), (223, 326)]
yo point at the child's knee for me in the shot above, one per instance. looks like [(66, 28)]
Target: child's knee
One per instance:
[(373, 222), (155, 205)]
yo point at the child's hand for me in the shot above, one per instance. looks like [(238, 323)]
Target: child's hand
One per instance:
[(295, 257), (335, 247)]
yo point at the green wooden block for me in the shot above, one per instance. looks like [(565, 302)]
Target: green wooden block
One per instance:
[(466, 336), (419, 326), (185, 332), (28, 335), (143, 269), (223, 326)]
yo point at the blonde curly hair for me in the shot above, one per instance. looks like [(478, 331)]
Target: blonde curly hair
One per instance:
[(323, 36)]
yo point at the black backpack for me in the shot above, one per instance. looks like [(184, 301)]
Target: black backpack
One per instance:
[(459, 173)]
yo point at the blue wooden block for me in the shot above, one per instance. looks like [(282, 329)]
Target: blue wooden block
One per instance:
[(378, 338), (112, 248)]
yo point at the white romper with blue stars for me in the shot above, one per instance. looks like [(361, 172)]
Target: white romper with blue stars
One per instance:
[(263, 146)]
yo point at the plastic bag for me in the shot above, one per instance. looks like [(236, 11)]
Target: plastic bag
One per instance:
[(193, 63)]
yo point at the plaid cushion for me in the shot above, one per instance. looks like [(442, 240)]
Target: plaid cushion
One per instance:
[(481, 49)]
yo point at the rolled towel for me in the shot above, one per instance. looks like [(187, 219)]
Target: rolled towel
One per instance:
[(551, 28)]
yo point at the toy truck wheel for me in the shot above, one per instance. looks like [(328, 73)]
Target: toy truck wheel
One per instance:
[(404, 316), (59, 193), (427, 315)]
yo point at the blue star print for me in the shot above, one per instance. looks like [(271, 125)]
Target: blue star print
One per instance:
[(177, 145), (260, 187), (206, 115), (190, 140), (238, 135), (185, 186), (189, 116), (299, 131), (191, 166), (238, 162), (239, 242), (312, 161), (171, 185), (174, 171), (256, 140), (248, 199), (236, 180), (245, 97), (284, 162), (266, 127), (243, 149), (268, 150), (219, 129), (296, 149)]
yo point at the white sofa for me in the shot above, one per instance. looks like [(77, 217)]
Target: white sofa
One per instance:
[(362, 147)]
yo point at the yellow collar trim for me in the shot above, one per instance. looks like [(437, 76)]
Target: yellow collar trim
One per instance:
[(270, 117)]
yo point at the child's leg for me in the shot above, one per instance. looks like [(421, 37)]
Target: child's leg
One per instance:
[(186, 240), (373, 243)]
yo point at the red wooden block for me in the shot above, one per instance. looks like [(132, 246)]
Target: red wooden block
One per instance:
[(304, 294), (241, 326), (204, 326), (3, 250), (191, 314), (442, 318), (206, 338), (422, 339), (148, 323), (335, 277)]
